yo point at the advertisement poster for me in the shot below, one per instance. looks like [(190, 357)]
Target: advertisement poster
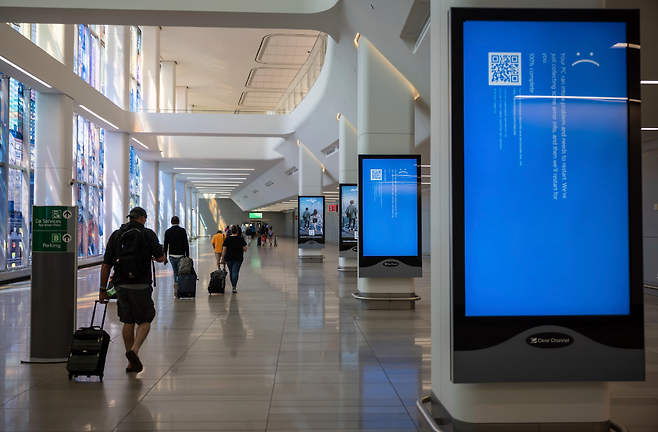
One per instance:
[(546, 226), (311, 221), (349, 216)]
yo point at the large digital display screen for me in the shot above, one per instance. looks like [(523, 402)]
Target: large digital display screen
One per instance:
[(546, 204), (311, 219), (389, 205), (545, 168), (349, 216)]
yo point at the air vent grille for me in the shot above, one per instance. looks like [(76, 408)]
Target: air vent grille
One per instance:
[(292, 171), (269, 183)]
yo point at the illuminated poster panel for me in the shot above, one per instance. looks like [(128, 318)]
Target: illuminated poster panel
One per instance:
[(546, 202), (349, 216), (389, 222), (311, 222)]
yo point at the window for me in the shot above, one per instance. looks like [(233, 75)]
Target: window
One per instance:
[(89, 55)]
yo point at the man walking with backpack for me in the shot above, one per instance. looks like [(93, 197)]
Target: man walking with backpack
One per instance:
[(130, 250), (176, 246)]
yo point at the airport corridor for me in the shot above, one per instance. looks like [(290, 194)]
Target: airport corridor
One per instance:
[(291, 351)]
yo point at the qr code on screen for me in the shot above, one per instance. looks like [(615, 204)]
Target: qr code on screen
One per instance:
[(375, 174), (504, 68)]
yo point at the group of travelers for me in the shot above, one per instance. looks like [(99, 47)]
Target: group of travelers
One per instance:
[(132, 250)]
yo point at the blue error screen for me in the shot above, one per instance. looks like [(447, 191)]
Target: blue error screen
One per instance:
[(545, 169), (390, 207)]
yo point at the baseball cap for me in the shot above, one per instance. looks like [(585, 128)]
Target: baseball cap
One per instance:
[(136, 213)]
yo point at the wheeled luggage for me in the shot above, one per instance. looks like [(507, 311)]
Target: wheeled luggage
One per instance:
[(259, 240), (217, 284), (275, 242), (187, 285), (89, 349)]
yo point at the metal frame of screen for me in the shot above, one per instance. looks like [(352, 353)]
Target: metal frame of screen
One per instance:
[(471, 333), (318, 241), (344, 245), (386, 266)]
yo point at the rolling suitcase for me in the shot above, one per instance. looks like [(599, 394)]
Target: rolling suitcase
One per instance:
[(89, 349), (275, 242), (258, 241), (217, 284), (187, 285)]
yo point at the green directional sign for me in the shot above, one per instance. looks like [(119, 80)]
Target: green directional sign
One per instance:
[(54, 228)]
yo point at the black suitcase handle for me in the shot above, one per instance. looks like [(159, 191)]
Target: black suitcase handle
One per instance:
[(93, 315)]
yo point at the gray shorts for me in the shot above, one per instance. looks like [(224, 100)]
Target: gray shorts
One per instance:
[(218, 256), (135, 305)]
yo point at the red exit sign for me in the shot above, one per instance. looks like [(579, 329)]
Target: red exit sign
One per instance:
[(333, 207)]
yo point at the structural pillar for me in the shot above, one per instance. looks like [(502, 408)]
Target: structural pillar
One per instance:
[(500, 406), (117, 180), (181, 99), (150, 68), (348, 172), (149, 192), (386, 126), (57, 40), (168, 86), (117, 82), (310, 184)]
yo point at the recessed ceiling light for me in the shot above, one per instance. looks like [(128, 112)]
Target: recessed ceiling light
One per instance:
[(15, 66)]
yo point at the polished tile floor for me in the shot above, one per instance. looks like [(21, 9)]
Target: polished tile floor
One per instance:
[(291, 351)]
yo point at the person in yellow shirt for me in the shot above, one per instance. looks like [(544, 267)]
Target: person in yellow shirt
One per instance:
[(218, 243)]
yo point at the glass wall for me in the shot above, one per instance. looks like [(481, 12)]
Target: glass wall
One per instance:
[(89, 55), (26, 29), (89, 143), (135, 68), (17, 152), (134, 178)]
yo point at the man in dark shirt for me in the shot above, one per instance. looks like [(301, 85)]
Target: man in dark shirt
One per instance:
[(177, 246), (135, 305)]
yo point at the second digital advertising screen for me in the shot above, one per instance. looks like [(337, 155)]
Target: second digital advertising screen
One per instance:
[(311, 220)]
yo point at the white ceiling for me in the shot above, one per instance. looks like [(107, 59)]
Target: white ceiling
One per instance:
[(215, 63)]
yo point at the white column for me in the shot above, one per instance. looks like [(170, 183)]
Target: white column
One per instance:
[(117, 52), (168, 86), (348, 171), (57, 40), (149, 192), (181, 99), (54, 152), (117, 180), (166, 194), (386, 126), (310, 183), (150, 68), (484, 403)]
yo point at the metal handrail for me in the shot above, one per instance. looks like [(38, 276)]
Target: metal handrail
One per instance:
[(359, 297), (420, 405), (426, 415)]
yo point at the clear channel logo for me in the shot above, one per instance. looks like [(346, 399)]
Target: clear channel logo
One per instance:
[(549, 340)]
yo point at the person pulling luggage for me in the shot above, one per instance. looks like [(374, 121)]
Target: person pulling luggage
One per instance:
[(176, 246), (233, 255), (130, 251)]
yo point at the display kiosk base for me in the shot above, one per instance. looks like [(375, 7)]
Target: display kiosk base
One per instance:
[(449, 424), (311, 259), (346, 269), (386, 301)]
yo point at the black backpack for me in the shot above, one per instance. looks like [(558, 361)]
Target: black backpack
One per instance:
[(132, 256)]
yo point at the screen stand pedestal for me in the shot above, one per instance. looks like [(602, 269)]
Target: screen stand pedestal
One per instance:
[(386, 301)]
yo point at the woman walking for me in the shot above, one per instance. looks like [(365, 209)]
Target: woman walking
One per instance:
[(233, 251)]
